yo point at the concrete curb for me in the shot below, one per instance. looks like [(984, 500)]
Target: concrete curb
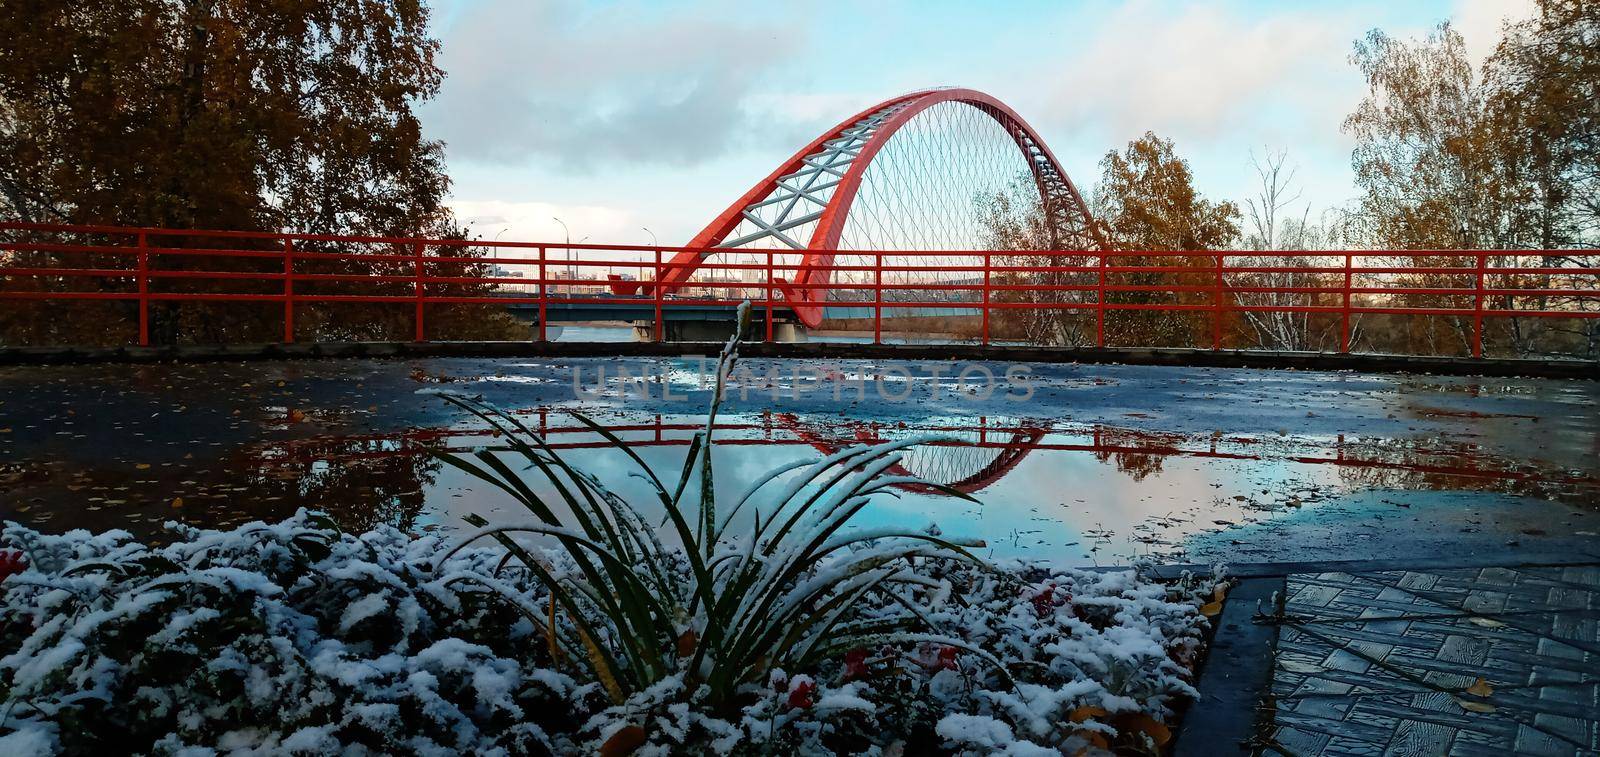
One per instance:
[(1282, 569), (1498, 367), (1235, 676)]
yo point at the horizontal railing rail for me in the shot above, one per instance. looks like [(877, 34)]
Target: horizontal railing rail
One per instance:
[(1420, 457), (147, 266)]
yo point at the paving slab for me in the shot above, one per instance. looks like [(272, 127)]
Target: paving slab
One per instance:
[(1444, 661)]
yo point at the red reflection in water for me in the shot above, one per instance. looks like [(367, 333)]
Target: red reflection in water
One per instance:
[(986, 450)]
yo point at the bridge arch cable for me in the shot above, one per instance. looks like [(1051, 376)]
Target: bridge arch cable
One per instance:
[(911, 175), (968, 460)]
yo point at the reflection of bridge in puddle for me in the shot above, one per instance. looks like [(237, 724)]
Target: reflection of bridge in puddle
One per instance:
[(964, 459), (972, 454)]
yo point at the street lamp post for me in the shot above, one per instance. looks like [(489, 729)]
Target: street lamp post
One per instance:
[(567, 234), (653, 243), (494, 252)]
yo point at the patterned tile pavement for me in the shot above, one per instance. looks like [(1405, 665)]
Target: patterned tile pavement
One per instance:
[(1382, 663)]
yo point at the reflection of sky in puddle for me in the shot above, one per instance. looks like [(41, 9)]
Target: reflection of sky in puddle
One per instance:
[(515, 379), (1082, 495), (1133, 461)]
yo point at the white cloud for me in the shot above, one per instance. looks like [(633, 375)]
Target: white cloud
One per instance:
[(551, 80), (1480, 21), (521, 220), (1201, 70), (670, 111)]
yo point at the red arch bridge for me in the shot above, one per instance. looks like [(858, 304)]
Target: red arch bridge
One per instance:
[(936, 211)]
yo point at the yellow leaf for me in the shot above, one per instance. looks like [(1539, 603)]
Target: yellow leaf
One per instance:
[(1480, 688), (623, 742), (1211, 609), (1085, 712), (1483, 707), (143, 466), (1142, 723), (177, 501), (602, 671), (687, 643), (1220, 592)]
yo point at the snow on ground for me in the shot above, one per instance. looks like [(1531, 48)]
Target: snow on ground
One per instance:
[(296, 638)]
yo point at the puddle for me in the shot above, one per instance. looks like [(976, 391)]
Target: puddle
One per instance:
[(1107, 464)]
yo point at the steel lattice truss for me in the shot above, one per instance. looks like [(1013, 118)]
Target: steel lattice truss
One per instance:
[(799, 198), (968, 461), (907, 175)]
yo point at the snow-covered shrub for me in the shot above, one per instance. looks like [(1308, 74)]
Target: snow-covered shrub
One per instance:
[(294, 637), (271, 637)]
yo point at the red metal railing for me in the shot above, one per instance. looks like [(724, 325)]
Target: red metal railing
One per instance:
[(1420, 457), (993, 290)]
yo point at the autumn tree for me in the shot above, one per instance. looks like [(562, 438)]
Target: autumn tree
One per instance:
[(1014, 219), (1544, 84), (223, 114), (1146, 202), (1544, 101), (1420, 161), (1452, 158), (1278, 220)]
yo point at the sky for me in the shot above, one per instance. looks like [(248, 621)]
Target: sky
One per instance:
[(638, 122)]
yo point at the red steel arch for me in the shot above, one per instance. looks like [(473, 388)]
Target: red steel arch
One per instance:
[(864, 135), (1016, 445)]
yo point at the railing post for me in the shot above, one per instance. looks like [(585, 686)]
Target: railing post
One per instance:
[(659, 293), (769, 295), (877, 298), (144, 291), (1216, 309), (1100, 304), (1477, 307), (986, 260), (1344, 311), (544, 310), (421, 325), (288, 290)]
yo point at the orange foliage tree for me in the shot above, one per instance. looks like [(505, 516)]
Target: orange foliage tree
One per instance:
[(223, 114), (1502, 159), (1146, 203)]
